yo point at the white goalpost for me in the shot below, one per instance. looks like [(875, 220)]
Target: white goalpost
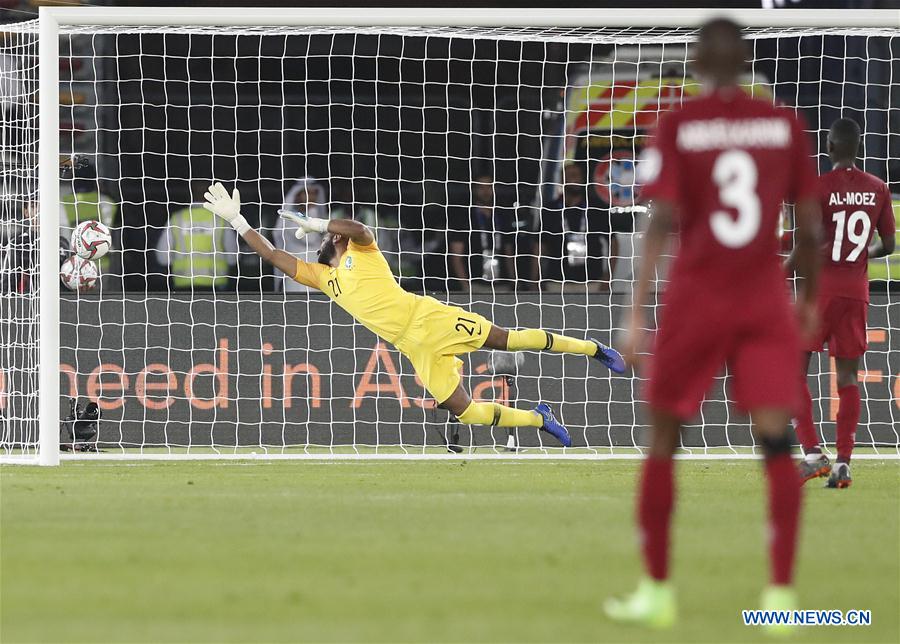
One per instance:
[(458, 136)]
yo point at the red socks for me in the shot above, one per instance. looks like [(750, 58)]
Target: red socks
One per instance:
[(654, 514), (847, 419), (803, 425), (784, 515), (656, 503)]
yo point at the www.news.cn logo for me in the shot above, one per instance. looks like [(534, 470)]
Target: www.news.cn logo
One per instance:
[(807, 617)]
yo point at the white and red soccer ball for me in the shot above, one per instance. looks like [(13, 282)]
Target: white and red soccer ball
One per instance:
[(79, 274), (91, 240)]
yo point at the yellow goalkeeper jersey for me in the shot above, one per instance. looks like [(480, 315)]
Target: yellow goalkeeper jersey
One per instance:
[(364, 286), (429, 333)]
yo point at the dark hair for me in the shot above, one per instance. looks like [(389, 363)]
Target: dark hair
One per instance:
[(720, 28), (844, 137), (721, 49)]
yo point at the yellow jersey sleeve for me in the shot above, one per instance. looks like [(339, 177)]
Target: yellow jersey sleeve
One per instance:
[(370, 248), (309, 273)]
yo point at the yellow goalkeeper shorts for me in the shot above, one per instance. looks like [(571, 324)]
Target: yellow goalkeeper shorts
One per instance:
[(437, 334)]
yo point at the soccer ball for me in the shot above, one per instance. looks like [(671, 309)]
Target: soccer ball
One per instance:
[(79, 274), (91, 240)]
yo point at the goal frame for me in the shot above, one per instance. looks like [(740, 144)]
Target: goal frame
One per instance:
[(51, 18)]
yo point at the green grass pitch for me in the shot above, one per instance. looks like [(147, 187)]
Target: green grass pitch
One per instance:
[(416, 551)]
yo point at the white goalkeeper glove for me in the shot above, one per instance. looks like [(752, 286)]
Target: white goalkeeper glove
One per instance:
[(304, 224), (227, 207)]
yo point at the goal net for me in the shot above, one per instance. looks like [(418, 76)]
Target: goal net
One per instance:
[(494, 164)]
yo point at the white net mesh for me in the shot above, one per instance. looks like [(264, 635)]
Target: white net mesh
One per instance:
[(18, 239), (496, 168)]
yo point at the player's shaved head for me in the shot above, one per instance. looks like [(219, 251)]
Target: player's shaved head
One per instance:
[(721, 52), (843, 140)]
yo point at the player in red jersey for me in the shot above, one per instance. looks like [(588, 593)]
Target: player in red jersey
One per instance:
[(720, 167), (854, 205)]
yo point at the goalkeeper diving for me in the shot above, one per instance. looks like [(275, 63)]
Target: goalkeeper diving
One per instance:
[(352, 271)]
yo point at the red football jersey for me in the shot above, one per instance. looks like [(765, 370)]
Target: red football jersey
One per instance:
[(728, 161), (854, 205)]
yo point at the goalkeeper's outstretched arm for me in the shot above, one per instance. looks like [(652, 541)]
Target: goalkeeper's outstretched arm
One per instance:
[(228, 207), (353, 230), (283, 261)]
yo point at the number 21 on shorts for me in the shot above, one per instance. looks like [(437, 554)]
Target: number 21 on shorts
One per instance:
[(466, 325)]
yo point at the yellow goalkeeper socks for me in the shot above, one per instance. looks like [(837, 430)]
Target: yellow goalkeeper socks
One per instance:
[(539, 340), (488, 413)]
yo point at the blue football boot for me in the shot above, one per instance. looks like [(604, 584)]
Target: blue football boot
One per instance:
[(609, 357), (553, 426)]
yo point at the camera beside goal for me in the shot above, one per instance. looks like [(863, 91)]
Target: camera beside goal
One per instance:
[(79, 275), (91, 240)]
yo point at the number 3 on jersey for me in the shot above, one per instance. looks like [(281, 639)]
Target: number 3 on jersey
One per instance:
[(860, 238), (735, 173)]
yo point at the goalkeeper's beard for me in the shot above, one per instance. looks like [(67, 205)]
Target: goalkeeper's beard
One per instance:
[(327, 251)]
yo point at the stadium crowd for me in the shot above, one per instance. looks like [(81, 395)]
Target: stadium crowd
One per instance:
[(482, 244), (479, 245)]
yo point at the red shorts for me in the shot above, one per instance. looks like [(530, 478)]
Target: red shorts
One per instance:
[(760, 346), (842, 325)]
